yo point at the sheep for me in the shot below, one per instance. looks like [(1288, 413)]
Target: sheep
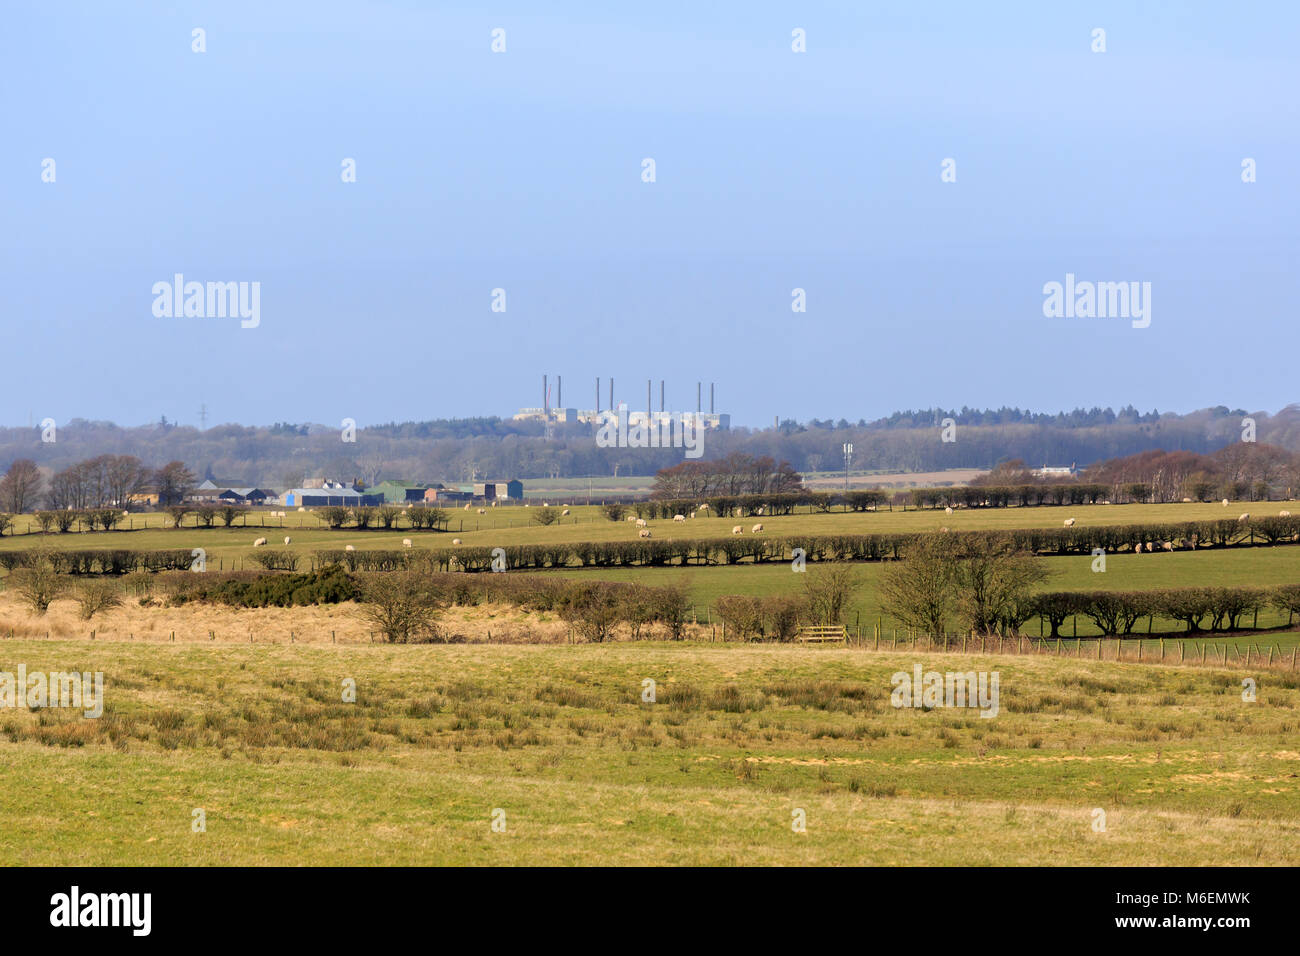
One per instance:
[(564, 512), (467, 506), (1225, 502), (1167, 545), (302, 509), (455, 540), (125, 513), (630, 518), (288, 540), (349, 548), (644, 532), (1244, 517), (259, 542), (1284, 514), (1069, 522), (679, 517), (1150, 547), (947, 510), (406, 542), (756, 529), (1187, 501), (483, 511), (943, 530), (737, 530), (640, 522)]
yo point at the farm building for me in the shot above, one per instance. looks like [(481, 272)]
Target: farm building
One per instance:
[(211, 493), (449, 494), (488, 490), (400, 492), (329, 493)]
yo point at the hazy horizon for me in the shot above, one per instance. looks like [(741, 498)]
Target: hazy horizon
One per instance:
[(522, 170)]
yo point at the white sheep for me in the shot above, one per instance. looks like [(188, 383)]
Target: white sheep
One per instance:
[(482, 511), (259, 542), (679, 517), (1284, 514), (737, 530), (455, 540), (1167, 545), (943, 530), (406, 542), (1225, 502), (947, 511), (630, 518), (467, 506), (564, 512), (349, 548), (644, 532), (756, 529), (302, 509), (640, 522), (1244, 517), (288, 540), (1069, 522), (1150, 547)]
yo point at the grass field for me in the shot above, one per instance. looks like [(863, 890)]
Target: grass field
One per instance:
[(514, 525), (740, 739)]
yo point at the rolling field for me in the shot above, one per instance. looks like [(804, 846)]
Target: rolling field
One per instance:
[(514, 525), (740, 740)]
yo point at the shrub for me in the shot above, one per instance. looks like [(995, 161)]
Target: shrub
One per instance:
[(741, 614), (402, 606), (97, 594), (38, 584), (546, 515), (334, 516), (275, 559), (614, 511), (229, 513)]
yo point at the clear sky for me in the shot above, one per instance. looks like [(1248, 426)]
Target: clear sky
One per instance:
[(522, 170)]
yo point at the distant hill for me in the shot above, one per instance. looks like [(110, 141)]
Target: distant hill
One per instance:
[(283, 454)]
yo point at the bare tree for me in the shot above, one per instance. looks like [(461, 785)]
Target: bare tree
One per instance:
[(20, 488)]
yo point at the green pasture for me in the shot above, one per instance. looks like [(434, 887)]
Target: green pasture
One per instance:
[(557, 742)]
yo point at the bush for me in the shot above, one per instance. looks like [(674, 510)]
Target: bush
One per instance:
[(741, 614), (546, 515), (402, 606), (275, 559), (97, 594), (38, 584), (614, 512)]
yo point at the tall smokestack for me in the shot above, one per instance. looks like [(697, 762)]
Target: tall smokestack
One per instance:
[(710, 398), (661, 395), (546, 397), (699, 397), (611, 393), (597, 394), (649, 405), (559, 391)]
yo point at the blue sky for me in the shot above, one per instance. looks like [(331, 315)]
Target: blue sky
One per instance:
[(522, 170)]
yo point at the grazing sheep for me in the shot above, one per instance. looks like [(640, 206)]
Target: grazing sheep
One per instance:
[(1244, 517), (494, 503), (759, 511), (1069, 522), (483, 511), (1225, 502), (259, 542), (288, 540), (630, 518), (644, 532), (1187, 501), (756, 529), (640, 522), (943, 530), (455, 540), (679, 517), (564, 512), (1167, 545), (406, 542), (947, 510), (467, 506), (737, 530), (302, 509), (349, 548), (1284, 514), (1150, 547), (125, 513)]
